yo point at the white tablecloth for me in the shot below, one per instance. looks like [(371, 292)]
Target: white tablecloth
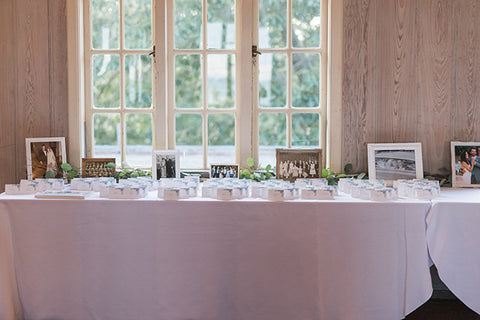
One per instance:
[(152, 259), (453, 235)]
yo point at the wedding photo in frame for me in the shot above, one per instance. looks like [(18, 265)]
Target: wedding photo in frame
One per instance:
[(166, 164), (395, 161), (465, 164), (298, 163), (44, 155), (224, 170)]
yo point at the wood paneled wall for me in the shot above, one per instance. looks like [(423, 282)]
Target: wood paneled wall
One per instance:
[(411, 73), (33, 87)]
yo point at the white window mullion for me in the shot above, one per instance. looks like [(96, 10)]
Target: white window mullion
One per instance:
[(253, 66), (123, 133), (205, 84), (289, 75), (88, 79), (170, 70)]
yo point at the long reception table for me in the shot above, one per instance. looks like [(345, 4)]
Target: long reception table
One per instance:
[(453, 236), (207, 259)]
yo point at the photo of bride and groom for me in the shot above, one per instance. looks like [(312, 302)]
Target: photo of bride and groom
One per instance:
[(44, 157), (467, 165)]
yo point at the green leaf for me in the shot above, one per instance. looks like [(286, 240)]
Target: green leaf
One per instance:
[(250, 162), (66, 167), (361, 175), (324, 173), (246, 172), (342, 175), (268, 168), (50, 174), (348, 168), (110, 165), (72, 174)]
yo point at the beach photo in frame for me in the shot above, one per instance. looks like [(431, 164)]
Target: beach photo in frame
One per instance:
[(45, 155), (394, 161), (465, 164), (222, 170), (165, 164), (298, 163)]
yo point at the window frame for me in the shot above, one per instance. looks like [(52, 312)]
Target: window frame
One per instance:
[(246, 133)]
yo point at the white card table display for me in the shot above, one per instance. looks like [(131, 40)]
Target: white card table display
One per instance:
[(318, 193), (82, 184), (29, 186), (13, 189), (209, 259), (453, 236)]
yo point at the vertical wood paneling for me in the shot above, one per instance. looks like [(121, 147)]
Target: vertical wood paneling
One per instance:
[(33, 80), (467, 71), (359, 80), (57, 62), (395, 71), (435, 81), (7, 95), (426, 65)]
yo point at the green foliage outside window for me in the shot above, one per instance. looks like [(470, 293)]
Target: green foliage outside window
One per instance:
[(188, 71)]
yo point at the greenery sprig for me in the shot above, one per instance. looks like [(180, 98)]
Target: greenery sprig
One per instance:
[(255, 174)]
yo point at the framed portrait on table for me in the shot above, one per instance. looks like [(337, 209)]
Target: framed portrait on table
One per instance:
[(395, 161), (465, 164), (45, 156), (166, 164), (97, 167), (298, 163), (224, 170)]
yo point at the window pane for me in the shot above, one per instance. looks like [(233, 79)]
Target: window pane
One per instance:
[(105, 24), (138, 24), (139, 139), (272, 29), (272, 80), (188, 24), (305, 129), (221, 24), (106, 81), (188, 139), (188, 81), (306, 23), (106, 134), (221, 138), (306, 80), (272, 135), (138, 81), (221, 81)]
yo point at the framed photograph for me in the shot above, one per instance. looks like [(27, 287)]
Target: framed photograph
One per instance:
[(44, 155), (97, 167), (395, 161), (465, 164), (166, 164), (224, 170), (299, 163)]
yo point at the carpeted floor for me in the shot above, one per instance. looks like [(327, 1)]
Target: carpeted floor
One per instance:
[(443, 305), (443, 309)]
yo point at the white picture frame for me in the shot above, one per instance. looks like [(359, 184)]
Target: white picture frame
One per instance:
[(394, 161), (461, 177), (162, 166), (37, 165)]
